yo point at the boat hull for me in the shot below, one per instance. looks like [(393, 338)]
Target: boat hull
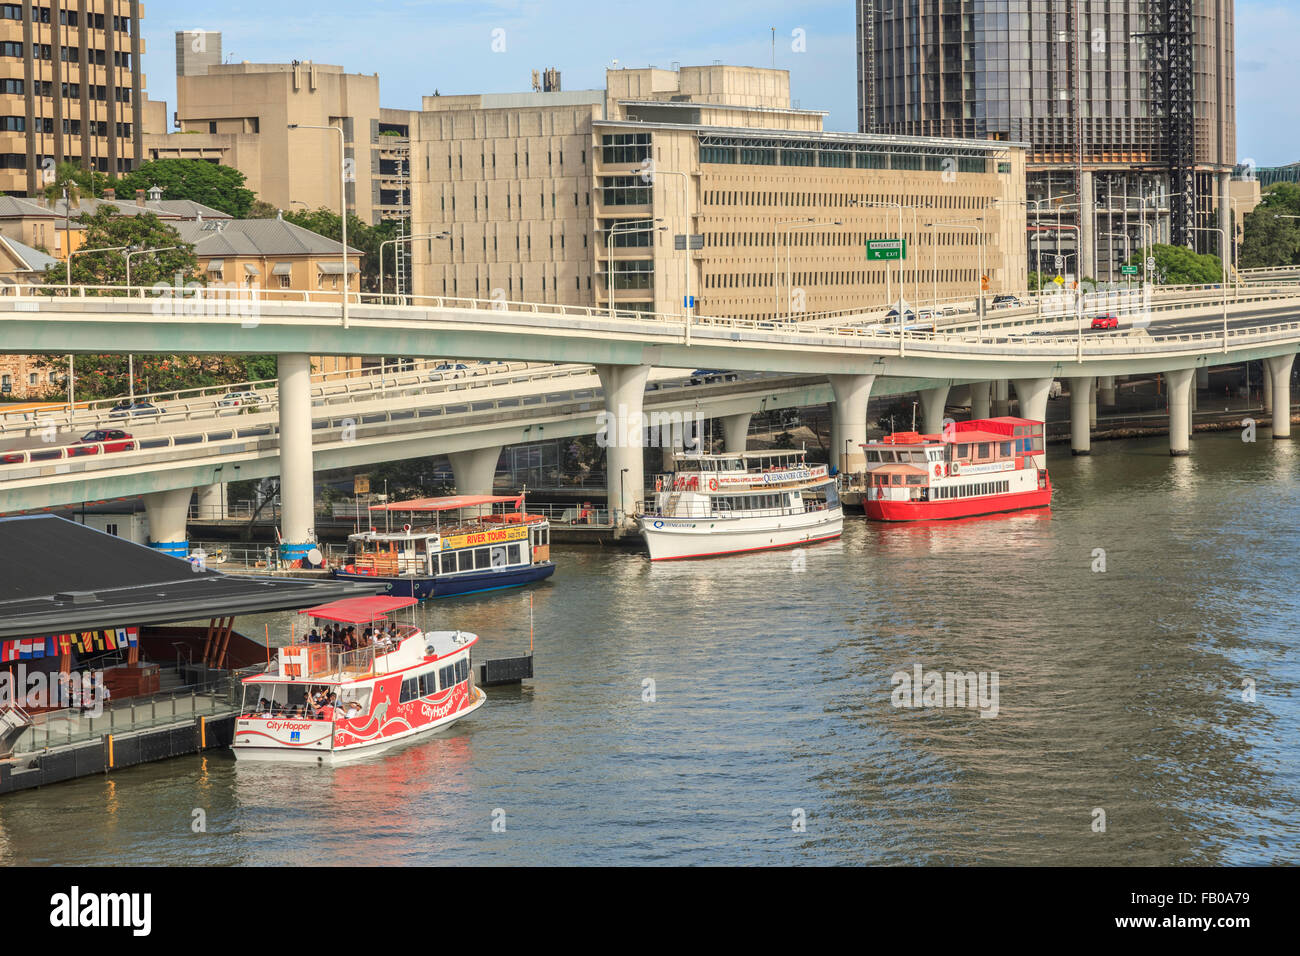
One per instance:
[(438, 586), (321, 752), (676, 539), (948, 509)]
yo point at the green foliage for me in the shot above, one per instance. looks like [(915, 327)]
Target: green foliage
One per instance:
[(80, 183), (221, 187), (106, 376), (1267, 240), (361, 236), (409, 478), (261, 210), (107, 230), (1178, 265)]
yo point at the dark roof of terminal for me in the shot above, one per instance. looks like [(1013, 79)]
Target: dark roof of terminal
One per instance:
[(58, 576)]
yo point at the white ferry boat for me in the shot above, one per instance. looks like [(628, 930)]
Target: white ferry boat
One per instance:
[(322, 702), (727, 504)]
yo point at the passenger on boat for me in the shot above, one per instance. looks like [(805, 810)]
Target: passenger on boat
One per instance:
[(313, 637), (353, 709)]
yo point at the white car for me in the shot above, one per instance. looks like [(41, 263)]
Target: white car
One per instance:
[(448, 371), (236, 399)]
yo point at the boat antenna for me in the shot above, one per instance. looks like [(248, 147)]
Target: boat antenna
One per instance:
[(530, 625)]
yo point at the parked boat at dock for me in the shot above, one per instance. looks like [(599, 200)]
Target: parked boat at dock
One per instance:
[(487, 551), (712, 505), (376, 696), (979, 467)]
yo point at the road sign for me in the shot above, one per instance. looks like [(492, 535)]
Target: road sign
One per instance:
[(1128, 270), (1060, 263), (1059, 281), (984, 283), (361, 484), (696, 242), (688, 301), (886, 250), (1151, 263)]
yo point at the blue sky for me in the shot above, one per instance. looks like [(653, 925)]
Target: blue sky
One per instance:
[(418, 46)]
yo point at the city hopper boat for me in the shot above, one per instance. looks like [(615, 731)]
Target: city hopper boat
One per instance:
[(383, 693), (979, 467), (486, 551), (712, 505)]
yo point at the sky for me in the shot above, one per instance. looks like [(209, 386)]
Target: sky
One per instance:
[(418, 46)]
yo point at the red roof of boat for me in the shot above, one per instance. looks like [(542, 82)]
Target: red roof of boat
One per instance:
[(448, 504), (358, 610)]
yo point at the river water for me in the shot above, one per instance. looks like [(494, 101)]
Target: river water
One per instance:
[(740, 710)]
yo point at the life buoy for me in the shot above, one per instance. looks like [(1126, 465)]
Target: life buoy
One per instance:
[(938, 471), (659, 484), (713, 484)]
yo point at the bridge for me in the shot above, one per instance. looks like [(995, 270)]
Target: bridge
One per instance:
[(1177, 332)]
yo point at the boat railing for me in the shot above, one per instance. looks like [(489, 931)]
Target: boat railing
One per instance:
[(703, 509)]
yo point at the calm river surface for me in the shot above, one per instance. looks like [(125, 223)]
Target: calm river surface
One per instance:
[(1118, 691)]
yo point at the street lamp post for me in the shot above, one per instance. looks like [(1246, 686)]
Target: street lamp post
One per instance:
[(389, 242), (72, 374), (130, 356), (686, 200), (976, 223), (807, 225), (609, 251), (776, 245), (343, 206), (1223, 254)]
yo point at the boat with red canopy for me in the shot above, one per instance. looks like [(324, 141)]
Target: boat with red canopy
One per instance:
[(979, 467), (339, 695), (476, 543)]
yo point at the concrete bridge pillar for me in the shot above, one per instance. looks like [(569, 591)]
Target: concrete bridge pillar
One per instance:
[(212, 502), (1179, 383), (167, 511), (933, 402), (1092, 403), (297, 482), (623, 435), (1203, 377), (1278, 372), (1080, 401), (1033, 393), (1268, 388), (979, 400), (1001, 398), (849, 420), (1106, 391), (475, 470), (735, 432)]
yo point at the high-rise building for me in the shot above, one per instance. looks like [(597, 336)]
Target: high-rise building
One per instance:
[(70, 85), (197, 51), (1126, 107), (579, 197)]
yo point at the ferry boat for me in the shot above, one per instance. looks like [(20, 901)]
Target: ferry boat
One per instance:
[(712, 505), (980, 467), (383, 693), (483, 552)]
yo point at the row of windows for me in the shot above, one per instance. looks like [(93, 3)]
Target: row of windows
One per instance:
[(45, 88), (805, 280), (487, 285), (519, 201), (752, 502), (68, 54), (427, 684), (855, 158), (482, 159), (971, 490), (729, 197), (625, 148), (481, 559), (45, 124), (6, 381), (67, 18)]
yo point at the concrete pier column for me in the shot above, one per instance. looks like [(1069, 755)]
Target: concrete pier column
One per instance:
[(1179, 383), (1106, 391), (1087, 258), (735, 432), (623, 435), (211, 502), (849, 420), (1001, 397), (980, 406), (1203, 377), (475, 470), (933, 402), (1080, 400), (1033, 393), (1268, 388), (167, 511), (1278, 371), (1092, 403), (297, 485)]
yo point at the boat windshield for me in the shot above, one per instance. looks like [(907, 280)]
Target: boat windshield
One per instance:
[(304, 701)]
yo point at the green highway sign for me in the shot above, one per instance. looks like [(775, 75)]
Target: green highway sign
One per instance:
[(883, 250), (1128, 270)]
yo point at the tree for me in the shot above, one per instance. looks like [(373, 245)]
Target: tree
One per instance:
[(1267, 240), (221, 187), (261, 210), (105, 229), (361, 236), (1178, 265), (80, 183)]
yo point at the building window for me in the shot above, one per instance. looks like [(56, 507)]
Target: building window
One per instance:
[(625, 148)]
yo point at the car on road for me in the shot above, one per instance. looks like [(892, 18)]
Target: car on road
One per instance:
[(448, 371), (1105, 322), (237, 399), (1006, 302), (134, 410), (909, 315), (712, 376), (112, 439)]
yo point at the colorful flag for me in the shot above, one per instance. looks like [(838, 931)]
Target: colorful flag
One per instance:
[(110, 640), (65, 643), (86, 645), (8, 651), (121, 637), (133, 636), (98, 637), (51, 647)]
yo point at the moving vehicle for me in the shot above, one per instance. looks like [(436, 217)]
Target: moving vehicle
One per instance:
[(712, 376), (112, 439), (236, 399), (448, 371), (1105, 322), (134, 410), (1006, 302)]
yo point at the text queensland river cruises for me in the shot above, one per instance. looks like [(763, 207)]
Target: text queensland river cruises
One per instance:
[(320, 702), (726, 504), (979, 467), (485, 552)]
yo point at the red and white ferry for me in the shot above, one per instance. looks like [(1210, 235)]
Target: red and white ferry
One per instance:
[(320, 703), (979, 467)]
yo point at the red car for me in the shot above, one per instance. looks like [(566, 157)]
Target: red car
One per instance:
[(1105, 322), (113, 439)]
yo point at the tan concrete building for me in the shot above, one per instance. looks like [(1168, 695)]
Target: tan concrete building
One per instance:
[(70, 83), (545, 194)]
